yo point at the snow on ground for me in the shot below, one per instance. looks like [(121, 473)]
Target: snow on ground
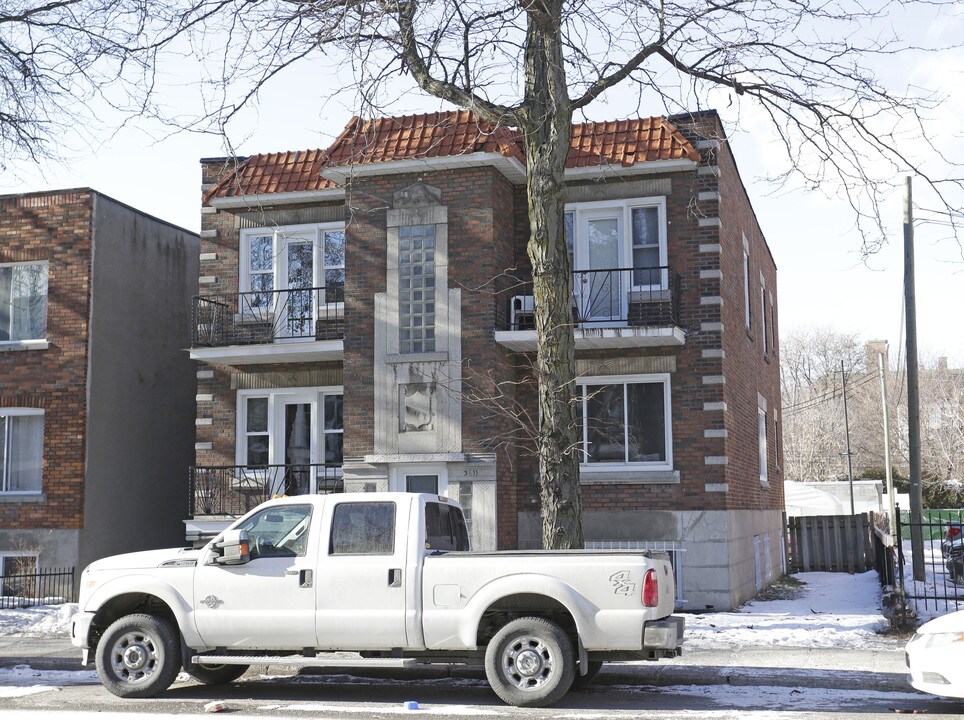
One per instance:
[(23, 680), (41, 621), (827, 610)]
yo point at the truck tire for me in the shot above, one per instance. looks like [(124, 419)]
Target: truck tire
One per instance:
[(592, 670), (530, 662), (217, 674), (138, 656)]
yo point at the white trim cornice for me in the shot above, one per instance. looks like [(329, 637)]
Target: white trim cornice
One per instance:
[(510, 167), (263, 199)]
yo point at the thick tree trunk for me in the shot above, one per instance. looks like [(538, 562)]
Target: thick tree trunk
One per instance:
[(546, 125)]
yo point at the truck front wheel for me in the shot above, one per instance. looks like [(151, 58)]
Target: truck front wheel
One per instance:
[(530, 662), (137, 657)]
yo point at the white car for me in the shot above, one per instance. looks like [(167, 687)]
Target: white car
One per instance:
[(935, 656)]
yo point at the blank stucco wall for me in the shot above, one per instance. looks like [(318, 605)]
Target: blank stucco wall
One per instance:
[(142, 384)]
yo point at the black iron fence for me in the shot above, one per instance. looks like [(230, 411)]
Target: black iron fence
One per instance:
[(269, 316), (633, 297), (48, 586), (232, 490), (943, 585)]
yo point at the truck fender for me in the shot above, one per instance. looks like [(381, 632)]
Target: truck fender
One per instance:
[(149, 585), (551, 588)]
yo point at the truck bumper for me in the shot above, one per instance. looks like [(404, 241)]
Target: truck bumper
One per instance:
[(80, 629), (663, 638)]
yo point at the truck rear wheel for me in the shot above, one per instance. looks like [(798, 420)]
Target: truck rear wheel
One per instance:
[(217, 674), (138, 657), (530, 662)]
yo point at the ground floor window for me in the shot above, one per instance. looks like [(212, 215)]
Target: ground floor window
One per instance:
[(21, 450), (626, 421), (18, 575)]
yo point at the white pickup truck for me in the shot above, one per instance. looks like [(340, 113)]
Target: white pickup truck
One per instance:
[(385, 575)]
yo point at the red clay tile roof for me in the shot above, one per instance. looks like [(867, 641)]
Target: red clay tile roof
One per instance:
[(416, 137), (627, 142), (448, 134), (284, 172)]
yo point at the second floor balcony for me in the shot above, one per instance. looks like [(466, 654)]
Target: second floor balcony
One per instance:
[(291, 325), (227, 491), (612, 308)]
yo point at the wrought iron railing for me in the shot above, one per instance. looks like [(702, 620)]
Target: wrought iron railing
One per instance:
[(269, 316), (234, 489), (634, 297), (46, 586)]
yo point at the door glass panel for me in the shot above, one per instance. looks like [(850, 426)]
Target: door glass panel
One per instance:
[(278, 532), (334, 265), (300, 280), (363, 529), (600, 299), (645, 246), (422, 484), (297, 447)]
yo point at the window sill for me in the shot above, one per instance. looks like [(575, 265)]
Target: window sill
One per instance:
[(764, 484), (16, 345), (14, 497), (626, 476), (417, 357)]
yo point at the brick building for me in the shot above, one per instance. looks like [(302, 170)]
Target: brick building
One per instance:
[(365, 322), (96, 388)]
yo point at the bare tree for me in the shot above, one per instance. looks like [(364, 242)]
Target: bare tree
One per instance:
[(805, 66)]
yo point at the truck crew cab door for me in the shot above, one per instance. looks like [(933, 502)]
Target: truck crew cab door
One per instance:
[(268, 602), (364, 580)]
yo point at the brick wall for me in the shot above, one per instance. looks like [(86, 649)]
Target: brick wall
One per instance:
[(55, 227)]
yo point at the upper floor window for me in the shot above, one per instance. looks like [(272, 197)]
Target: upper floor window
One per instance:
[(627, 420), (21, 450), (762, 444), (296, 258), (23, 301), (416, 288), (746, 283), (617, 249), (765, 325)]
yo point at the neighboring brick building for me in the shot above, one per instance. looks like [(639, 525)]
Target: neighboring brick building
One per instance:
[(96, 388), (366, 323)]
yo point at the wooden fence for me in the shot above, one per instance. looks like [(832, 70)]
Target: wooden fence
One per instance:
[(830, 543)]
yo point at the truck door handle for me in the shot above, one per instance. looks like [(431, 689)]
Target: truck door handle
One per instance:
[(395, 577), (306, 578)]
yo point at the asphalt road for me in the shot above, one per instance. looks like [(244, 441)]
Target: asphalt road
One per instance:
[(345, 697)]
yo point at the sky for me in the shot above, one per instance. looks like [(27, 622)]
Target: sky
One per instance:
[(822, 279)]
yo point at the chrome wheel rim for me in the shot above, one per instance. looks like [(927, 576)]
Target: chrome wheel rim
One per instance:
[(527, 662), (135, 657)]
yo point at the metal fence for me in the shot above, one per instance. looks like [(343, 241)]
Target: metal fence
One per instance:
[(830, 543), (943, 584), (49, 586)]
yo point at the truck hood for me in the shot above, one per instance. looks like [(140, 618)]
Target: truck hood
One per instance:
[(173, 557)]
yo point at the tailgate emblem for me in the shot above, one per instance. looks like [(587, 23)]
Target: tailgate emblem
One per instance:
[(621, 583)]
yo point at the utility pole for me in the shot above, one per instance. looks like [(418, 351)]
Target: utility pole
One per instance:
[(891, 500), (846, 419), (913, 395)]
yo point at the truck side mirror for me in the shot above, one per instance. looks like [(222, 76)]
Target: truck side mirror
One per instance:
[(233, 548)]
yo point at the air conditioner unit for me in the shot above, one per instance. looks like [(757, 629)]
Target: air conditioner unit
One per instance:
[(522, 312)]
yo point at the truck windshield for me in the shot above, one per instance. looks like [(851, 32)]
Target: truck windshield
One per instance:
[(445, 528)]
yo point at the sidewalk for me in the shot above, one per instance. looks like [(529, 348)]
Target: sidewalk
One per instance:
[(828, 668)]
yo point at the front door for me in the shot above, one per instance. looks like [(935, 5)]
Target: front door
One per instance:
[(364, 584), (269, 602)]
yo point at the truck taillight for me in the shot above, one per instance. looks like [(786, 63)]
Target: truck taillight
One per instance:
[(650, 589)]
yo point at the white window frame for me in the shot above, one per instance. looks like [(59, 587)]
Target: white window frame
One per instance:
[(21, 412), (763, 315), (313, 232), (398, 475), (761, 427), (38, 341), (665, 379), (747, 315), (277, 397), (624, 209)]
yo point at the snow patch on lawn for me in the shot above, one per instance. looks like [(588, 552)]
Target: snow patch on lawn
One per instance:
[(39, 621)]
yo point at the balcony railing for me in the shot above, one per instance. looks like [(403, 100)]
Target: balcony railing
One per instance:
[(269, 316), (232, 490), (625, 297)]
